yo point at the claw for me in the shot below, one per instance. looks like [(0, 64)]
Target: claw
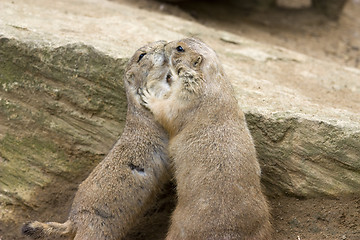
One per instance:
[(143, 97), (139, 91)]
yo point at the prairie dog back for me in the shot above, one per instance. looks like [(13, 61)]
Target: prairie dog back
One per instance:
[(124, 185)]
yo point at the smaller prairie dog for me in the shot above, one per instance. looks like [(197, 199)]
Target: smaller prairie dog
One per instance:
[(124, 185), (215, 164)]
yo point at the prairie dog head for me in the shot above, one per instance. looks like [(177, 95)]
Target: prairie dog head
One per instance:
[(145, 68), (194, 63), (193, 78)]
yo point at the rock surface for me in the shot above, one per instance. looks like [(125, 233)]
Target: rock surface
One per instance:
[(62, 103)]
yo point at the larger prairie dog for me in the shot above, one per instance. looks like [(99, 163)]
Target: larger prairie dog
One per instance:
[(124, 185), (216, 168)]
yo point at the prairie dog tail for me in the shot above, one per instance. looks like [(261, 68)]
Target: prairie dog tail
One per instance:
[(49, 230)]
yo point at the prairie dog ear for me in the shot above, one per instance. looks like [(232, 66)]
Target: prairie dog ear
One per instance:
[(197, 61)]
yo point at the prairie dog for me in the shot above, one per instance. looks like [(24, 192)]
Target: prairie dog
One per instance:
[(122, 186), (215, 165)]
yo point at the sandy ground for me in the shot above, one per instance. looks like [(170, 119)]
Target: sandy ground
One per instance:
[(304, 31)]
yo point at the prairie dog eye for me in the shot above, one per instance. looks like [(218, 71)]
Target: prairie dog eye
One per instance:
[(180, 49), (169, 79), (141, 56)]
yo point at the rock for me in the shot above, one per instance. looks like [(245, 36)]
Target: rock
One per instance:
[(62, 103), (253, 4), (303, 114), (61, 110), (294, 4), (331, 8)]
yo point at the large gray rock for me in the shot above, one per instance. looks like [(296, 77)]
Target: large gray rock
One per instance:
[(304, 117), (62, 103)]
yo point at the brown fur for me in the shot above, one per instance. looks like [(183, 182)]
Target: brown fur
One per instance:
[(215, 163), (123, 186)]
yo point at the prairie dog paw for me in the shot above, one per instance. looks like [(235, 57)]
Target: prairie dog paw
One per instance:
[(146, 97)]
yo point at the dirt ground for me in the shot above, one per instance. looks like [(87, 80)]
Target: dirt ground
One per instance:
[(318, 218), (302, 30)]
